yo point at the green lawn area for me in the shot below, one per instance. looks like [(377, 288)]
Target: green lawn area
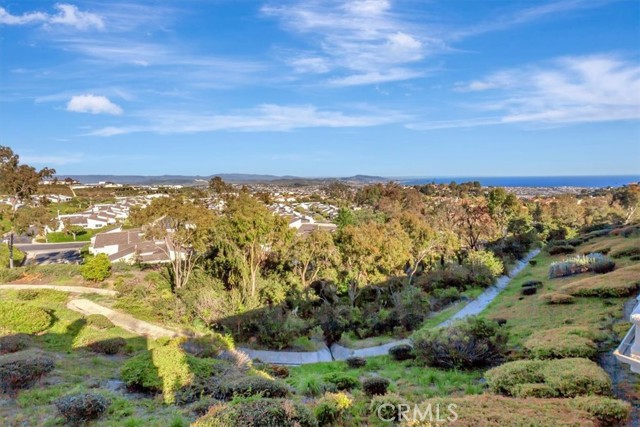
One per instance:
[(528, 314), (62, 237)]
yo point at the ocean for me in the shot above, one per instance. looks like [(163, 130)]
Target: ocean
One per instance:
[(532, 181)]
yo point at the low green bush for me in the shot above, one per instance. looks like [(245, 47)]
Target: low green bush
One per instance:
[(634, 258), (402, 352), (331, 408), (603, 266), (561, 249), (609, 412), (109, 346), (566, 377), (387, 407), (23, 317), (628, 252), (342, 382), (96, 268), (375, 386), (560, 343), (258, 412), (14, 343), (466, 344), (23, 369), (78, 409), (355, 362), (533, 390), (98, 321), (258, 386)]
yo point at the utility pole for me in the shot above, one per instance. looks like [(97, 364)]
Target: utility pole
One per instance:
[(11, 250)]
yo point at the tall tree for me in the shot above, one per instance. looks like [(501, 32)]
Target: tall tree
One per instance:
[(370, 252), (502, 207), (628, 197), (186, 227), (312, 255), (19, 181), (423, 241), (245, 237)]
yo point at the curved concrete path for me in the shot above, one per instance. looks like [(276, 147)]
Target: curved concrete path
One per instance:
[(70, 289), (125, 321), (336, 352)]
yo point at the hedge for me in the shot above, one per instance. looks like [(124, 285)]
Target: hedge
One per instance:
[(564, 377)]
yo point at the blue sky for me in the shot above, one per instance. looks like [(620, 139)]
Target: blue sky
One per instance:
[(323, 88)]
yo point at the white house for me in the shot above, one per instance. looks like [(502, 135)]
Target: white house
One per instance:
[(629, 350)]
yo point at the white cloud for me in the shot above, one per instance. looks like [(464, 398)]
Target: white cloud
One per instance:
[(569, 90), (264, 118), (68, 15), (93, 104), (362, 39)]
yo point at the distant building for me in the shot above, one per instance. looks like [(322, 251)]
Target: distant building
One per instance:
[(131, 246)]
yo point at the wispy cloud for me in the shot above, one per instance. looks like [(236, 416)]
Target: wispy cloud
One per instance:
[(507, 20), (264, 118), (93, 104), (67, 15), (569, 90), (362, 40)]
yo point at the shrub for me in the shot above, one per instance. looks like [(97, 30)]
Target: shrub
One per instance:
[(627, 252), (635, 258), (528, 291), (22, 370), (561, 249), (581, 264), (466, 344), (532, 284), (96, 268), (207, 346), (609, 412), (98, 321), (14, 343), (560, 343), (108, 346), (375, 386), (23, 317), (331, 408), (402, 352), (387, 407), (342, 382), (80, 408), (355, 362), (167, 368), (487, 260), (603, 266), (533, 262), (261, 412), (277, 371), (566, 377), (558, 298), (258, 386)]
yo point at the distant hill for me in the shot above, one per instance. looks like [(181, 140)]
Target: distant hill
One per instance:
[(235, 178)]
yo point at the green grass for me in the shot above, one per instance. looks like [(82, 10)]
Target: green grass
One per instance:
[(62, 237), (529, 314), (415, 383), (18, 256)]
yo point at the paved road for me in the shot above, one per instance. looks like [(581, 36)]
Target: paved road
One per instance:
[(49, 247), (61, 257)]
